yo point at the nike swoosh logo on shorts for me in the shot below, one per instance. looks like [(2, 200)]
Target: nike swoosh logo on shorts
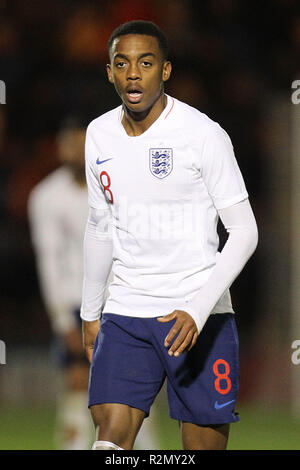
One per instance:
[(102, 161), (221, 405)]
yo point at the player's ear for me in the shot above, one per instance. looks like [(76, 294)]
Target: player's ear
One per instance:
[(109, 73), (167, 69)]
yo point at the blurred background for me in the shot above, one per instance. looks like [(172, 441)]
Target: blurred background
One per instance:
[(233, 60)]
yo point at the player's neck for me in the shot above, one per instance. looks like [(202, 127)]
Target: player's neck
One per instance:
[(137, 123)]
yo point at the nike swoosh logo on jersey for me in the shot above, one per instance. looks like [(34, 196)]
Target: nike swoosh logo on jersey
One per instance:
[(221, 405), (102, 161)]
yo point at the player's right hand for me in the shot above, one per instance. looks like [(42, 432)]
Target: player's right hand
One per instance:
[(90, 331)]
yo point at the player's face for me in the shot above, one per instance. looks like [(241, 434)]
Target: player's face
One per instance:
[(138, 71)]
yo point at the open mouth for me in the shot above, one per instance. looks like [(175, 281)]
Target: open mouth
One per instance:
[(134, 96)]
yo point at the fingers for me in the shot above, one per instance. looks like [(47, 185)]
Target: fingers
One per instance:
[(89, 349), (193, 342), (184, 333), (167, 318), (172, 333), (89, 353), (185, 341), (89, 334), (181, 343)]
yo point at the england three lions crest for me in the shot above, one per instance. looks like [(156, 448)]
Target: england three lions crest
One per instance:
[(161, 162)]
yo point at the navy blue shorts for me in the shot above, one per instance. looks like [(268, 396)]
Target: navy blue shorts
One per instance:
[(130, 364)]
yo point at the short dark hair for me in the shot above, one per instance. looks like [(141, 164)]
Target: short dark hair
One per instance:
[(148, 28)]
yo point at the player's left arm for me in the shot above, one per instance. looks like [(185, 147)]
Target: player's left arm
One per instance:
[(224, 182), (241, 226)]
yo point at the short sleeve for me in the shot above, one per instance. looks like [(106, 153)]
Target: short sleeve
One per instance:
[(96, 196), (220, 170)]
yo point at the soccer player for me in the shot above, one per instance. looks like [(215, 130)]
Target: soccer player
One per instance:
[(160, 174), (57, 213)]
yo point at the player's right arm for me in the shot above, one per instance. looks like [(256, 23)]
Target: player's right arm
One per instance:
[(97, 249), (97, 266)]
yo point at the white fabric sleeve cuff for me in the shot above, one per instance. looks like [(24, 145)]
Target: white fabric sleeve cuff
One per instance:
[(97, 261), (241, 226)]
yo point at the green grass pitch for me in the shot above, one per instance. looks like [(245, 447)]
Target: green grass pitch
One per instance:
[(31, 428)]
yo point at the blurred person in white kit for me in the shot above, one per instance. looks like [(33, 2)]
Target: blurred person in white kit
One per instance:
[(57, 210)]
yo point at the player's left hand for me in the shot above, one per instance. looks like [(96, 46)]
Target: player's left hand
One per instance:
[(186, 330)]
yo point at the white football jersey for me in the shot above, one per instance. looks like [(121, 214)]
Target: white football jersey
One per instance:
[(58, 210), (163, 189)]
